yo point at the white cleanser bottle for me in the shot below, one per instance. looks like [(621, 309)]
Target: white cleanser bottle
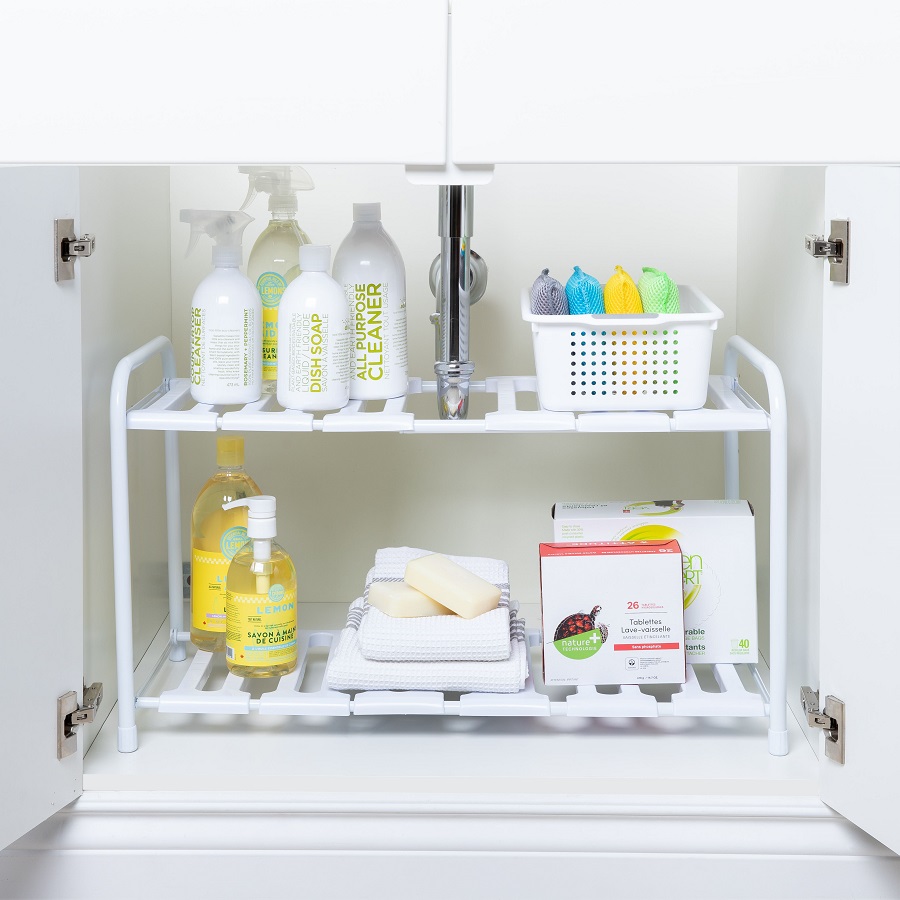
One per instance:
[(370, 269), (226, 315), (313, 337)]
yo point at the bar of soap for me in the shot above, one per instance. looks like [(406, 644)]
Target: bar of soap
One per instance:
[(400, 600), (452, 586)]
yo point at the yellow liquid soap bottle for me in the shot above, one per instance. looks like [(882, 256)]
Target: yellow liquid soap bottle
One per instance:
[(216, 535), (260, 598)]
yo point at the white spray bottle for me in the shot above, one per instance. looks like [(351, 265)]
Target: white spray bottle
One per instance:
[(226, 315), (274, 259)]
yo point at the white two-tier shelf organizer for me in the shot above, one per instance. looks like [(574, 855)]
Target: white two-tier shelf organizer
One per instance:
[(170, 409)]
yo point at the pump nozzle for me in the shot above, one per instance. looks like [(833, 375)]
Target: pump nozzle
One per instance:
[(280, 182), (260, 514), (225, 227)]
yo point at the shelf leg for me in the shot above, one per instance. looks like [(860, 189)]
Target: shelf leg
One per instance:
[(173, 521)]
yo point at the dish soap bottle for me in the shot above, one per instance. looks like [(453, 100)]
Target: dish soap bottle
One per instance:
[(216, 535), (314, 337), (226, 315), (274, 258), (370, 269), (261, 598)]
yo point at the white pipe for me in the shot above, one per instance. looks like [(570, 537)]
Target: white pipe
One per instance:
[(778, 462)]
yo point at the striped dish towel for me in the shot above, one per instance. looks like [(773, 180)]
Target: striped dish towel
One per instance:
[(349, 670)]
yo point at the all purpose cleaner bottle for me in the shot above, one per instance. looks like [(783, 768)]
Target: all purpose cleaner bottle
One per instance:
[(226, 315), (274, 259), (370, 269), (314, 337), (216, 535), (261, 598)]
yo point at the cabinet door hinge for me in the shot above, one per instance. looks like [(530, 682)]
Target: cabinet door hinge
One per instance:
[(836, 249), (70, 715), (830, 720), (68, 248)]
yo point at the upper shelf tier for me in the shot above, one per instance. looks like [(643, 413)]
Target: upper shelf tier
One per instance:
[(170, 408)]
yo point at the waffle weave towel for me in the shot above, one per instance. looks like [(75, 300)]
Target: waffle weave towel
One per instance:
[(349, 670), (435, 638)]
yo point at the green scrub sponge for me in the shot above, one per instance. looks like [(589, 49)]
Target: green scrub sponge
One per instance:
[(659, 294)]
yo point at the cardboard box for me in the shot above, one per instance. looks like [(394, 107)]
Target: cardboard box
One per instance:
[(612, 613), (717, 539)]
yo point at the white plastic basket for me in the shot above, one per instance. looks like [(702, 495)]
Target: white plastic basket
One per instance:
[(621, 362)]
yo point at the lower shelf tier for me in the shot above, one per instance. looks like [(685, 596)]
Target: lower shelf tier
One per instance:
[(205, 686)]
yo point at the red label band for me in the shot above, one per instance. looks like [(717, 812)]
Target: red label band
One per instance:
[(629, 647)]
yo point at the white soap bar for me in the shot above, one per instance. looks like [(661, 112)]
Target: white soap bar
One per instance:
[(452, 585), (398, 599)]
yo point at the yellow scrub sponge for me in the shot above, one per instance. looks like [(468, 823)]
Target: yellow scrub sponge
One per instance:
[(620, 294)]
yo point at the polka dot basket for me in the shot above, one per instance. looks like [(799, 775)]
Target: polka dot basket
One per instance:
[(651, 361)]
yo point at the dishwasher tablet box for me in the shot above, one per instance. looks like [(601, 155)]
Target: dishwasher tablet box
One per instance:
[(612, 613), (718, 544)]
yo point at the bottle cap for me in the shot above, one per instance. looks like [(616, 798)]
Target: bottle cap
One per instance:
[(229, 452), (366, 212), (314, 257)]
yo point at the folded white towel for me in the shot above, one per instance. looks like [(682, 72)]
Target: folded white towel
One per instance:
[(435, 638), (349, 670)]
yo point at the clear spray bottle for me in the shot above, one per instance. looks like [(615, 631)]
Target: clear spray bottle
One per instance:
[(274, 259), (226, 315), (260, 598)]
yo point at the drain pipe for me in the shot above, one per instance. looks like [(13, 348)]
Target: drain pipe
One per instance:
[(458, 279)]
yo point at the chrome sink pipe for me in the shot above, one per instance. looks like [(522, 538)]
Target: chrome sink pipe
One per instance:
[(458, 279)]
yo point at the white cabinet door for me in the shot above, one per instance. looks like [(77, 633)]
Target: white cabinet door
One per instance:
[(860, 528), (42, 524), (275, 81), (694, 81)]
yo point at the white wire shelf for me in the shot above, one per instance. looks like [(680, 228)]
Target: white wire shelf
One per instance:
[(170, 408), (203, 690)]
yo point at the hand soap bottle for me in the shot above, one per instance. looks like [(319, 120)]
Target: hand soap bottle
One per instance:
[(216, 535), (314, 337), (226, 315), (370, 269), (261, 598), (274, 259)]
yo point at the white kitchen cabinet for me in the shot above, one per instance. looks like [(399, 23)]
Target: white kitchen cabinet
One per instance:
[(681, 82), (317, 80), (500, 797), (388, 805)]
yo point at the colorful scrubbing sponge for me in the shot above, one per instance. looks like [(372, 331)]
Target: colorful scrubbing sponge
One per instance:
[(585, 294), (548, 296), (622, 295), (659, 294)]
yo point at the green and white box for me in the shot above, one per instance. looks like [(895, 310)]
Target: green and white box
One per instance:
[(718, 546), (612, 613)]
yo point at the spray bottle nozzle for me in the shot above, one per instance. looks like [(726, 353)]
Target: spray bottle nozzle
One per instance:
[(225, 227), (280, 182)]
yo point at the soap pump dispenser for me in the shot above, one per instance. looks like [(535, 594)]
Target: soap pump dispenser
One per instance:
[(274, 260), (260, 598), (226, 315)]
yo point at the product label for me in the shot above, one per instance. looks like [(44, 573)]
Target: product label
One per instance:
[(319, 357), (208, 571), (271, 286), (262, 628), (379, 333), (222, 355)]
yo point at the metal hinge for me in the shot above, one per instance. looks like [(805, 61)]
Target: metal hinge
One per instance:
[(68, 248), (70, 715), (830, 720), (836, 249)]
